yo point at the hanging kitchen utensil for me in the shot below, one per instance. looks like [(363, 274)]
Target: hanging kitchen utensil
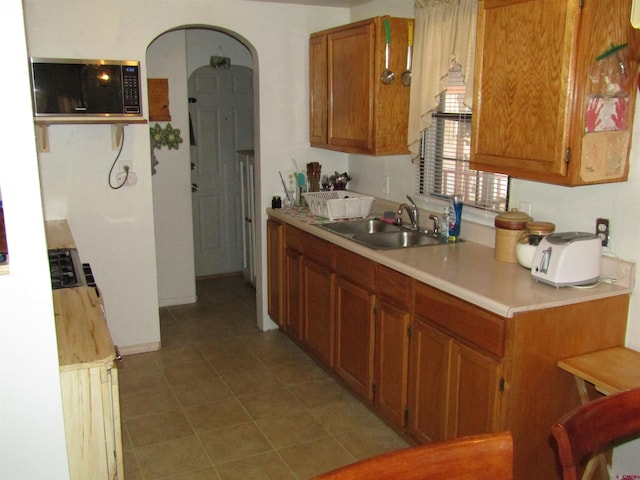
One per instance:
[(406, 75), (387, 76)]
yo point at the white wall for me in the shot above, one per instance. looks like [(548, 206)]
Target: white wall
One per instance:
[(32, 442), (115, 229), (203, 43), (73, 174), (166, 58)]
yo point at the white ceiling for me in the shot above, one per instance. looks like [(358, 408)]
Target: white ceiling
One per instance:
[(322, 3)]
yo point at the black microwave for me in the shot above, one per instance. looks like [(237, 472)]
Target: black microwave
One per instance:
[(69, 87)]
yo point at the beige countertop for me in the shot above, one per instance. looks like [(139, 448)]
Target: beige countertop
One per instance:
[(467, 270)]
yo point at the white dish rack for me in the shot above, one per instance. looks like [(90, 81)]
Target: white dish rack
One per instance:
[(339, 204)]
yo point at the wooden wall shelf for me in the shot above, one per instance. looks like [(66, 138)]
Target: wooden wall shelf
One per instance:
[(87, 119), (117, 125)]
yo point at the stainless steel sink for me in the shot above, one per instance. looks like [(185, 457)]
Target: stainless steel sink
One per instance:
[(356, 227), (381, 235), (390, 240)]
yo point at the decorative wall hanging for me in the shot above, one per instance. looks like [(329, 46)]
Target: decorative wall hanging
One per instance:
[(606, 119), (608, 99), (166, 137), (158, 99)]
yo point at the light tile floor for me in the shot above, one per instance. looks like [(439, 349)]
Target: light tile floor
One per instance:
[(222, 400)]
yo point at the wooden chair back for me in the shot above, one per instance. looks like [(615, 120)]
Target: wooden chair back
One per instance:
[(594, 427), (481, 457)]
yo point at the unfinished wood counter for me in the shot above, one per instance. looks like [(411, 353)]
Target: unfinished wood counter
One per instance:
[(88, 377)]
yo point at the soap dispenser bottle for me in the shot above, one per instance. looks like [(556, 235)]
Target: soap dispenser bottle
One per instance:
[(455, 216), (445, 223)]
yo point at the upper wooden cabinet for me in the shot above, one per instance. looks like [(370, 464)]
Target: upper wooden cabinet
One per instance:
[(533, 90), (351, 109)]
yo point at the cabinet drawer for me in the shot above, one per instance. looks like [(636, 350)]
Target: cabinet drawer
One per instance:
[(393, 286), (293, 237), (460, 319), (354, 267), (317, 249)]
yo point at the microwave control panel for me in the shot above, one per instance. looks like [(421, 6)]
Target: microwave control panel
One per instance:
[(131, 88)]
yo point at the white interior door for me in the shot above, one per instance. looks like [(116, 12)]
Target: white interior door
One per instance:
[(221, 111)]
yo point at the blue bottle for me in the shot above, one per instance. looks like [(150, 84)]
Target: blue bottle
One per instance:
[(455, 216)]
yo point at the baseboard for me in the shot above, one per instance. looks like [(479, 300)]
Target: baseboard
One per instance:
[(140, 348), (172, 302)]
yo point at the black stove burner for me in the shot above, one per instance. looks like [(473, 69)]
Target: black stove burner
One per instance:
[(65, 272)]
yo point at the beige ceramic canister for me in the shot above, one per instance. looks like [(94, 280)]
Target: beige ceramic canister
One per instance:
[(509, 228)]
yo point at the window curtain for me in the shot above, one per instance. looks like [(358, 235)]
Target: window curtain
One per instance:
[(445, 36)]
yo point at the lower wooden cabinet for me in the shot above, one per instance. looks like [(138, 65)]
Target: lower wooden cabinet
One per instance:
[(437, 367), (391, 361), (394, 293), (318, 332), (275, 270), (293, 281), (430, 352), (292, 306), (355, 336), (454, 390), (474, 394), (456, 382), (318, 308), (91, 406), (89, 385)]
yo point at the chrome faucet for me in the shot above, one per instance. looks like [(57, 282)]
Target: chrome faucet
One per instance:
[(436, 225), (412, 211)]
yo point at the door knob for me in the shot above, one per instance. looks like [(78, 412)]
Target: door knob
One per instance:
[(194, 187)]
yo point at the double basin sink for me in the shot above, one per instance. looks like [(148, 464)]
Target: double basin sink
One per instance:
[(380, 235)]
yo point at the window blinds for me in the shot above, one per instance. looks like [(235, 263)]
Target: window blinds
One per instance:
[(445, 153)]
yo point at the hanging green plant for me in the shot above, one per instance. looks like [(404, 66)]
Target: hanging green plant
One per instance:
[(158, 135), (166, 137), (172, 137)]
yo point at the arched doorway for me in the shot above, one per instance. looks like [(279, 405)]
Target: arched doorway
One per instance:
[(174, 56)]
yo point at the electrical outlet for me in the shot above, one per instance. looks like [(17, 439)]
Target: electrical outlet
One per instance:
[(602, 230), (525, 207), (131, 178), (385, 184)]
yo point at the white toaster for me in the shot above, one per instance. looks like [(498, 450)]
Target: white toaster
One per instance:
[(570, 258)]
